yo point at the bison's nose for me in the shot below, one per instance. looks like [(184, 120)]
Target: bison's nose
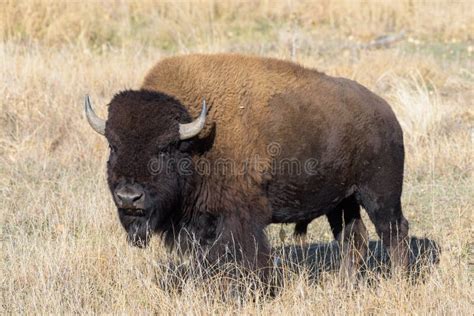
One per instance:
[(130, 197)]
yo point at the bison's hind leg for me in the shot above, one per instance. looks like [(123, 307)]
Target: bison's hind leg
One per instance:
[(385, 212), (350, 232)]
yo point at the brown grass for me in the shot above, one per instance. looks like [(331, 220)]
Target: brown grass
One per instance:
[(62, 249)]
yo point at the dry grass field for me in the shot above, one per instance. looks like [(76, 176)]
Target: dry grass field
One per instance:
[(62, 247)]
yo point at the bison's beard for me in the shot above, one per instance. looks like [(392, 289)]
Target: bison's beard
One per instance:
[(159, 217), (139, 229)]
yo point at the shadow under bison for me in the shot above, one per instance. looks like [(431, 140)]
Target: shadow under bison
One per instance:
[(324, 257)]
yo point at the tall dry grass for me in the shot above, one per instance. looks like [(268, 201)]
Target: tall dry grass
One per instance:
[(211, 23), (62, 248)]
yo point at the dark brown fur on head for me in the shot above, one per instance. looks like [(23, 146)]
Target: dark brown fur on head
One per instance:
[(142, 128)]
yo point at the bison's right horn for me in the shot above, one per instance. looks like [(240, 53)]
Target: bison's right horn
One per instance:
[(95, 122), (189, 130)]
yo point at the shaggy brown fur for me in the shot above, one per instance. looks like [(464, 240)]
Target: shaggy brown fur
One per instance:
[(272, 112)]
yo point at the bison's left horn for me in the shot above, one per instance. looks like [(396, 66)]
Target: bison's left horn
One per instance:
[(96, 122), (189, 130)]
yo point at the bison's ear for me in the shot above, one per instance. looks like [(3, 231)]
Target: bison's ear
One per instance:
[(190, 130), (200, 145), (185, 146)]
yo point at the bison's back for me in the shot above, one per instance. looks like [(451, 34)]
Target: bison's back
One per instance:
[(238, 89)]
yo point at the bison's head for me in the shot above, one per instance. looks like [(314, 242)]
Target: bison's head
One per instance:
[(148, 140)]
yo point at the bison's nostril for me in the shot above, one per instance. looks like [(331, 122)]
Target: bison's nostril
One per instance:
[(138, 197)]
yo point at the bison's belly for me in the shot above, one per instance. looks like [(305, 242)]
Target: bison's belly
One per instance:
[(295, 202)]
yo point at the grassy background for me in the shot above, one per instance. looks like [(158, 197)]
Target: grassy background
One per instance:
[(62, 248)]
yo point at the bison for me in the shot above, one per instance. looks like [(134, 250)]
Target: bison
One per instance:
[(295, 144)]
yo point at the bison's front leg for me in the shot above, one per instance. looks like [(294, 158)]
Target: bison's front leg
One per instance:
[(232, 240)]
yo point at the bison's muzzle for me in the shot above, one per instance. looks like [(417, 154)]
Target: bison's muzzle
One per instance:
[(130, 197)]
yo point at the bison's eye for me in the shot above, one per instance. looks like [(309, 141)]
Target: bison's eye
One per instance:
[(113, 149), (163, 156)]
